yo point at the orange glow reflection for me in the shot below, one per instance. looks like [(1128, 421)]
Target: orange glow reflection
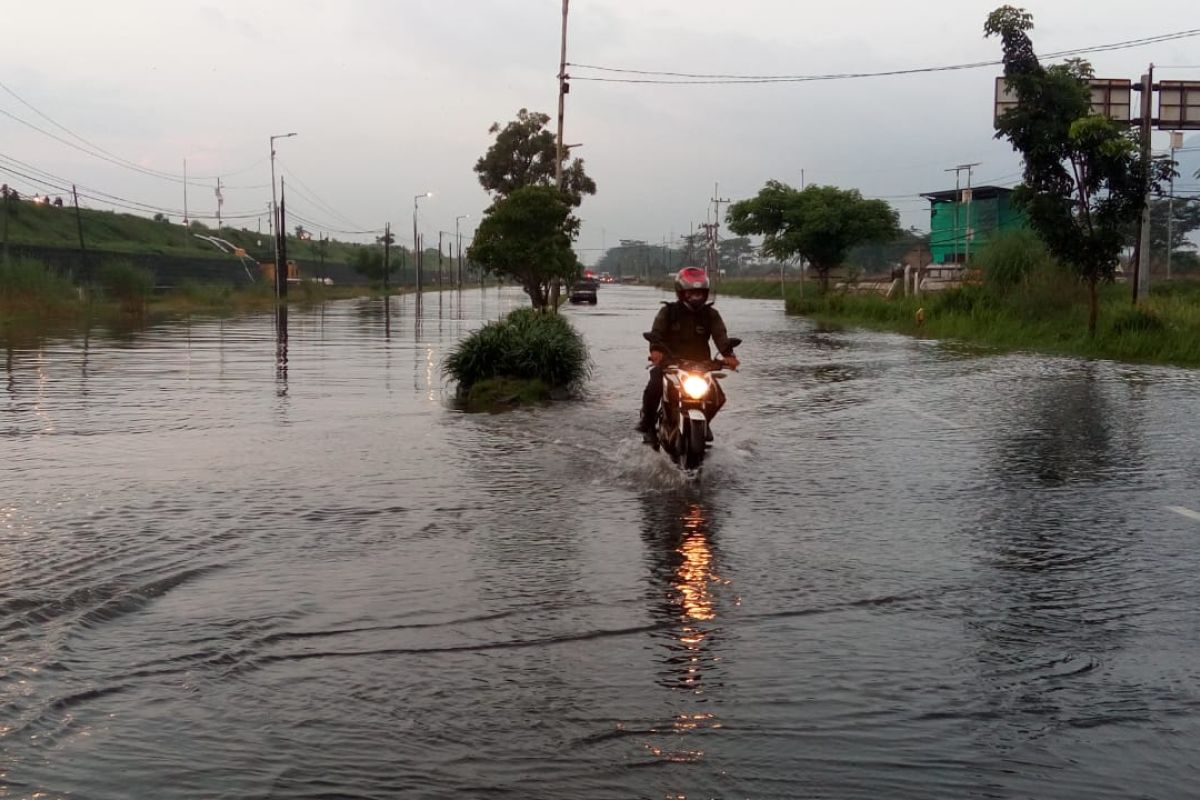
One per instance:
[(694, 574)]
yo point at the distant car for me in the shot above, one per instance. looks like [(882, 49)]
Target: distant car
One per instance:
[(606, 277), (584, 292)]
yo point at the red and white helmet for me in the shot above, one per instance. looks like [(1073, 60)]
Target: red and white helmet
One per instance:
[(690, 279)]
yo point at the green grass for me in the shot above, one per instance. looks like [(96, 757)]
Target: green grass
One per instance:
[(499, 393), (527, 346), (29, 288), (1046, 314), (127, 286)]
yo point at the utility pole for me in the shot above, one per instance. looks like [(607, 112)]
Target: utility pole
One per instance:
[(1141, 274), (281, 269), (1176, 143), (4, 200), (220, 202), (439, 261), (185, 216), (387, 248), (563, 88), (458, 241), (87, 272), (958, 200), (717, 200), (274, 209)]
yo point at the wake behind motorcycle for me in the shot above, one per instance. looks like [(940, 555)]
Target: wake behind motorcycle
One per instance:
[(691, 397)]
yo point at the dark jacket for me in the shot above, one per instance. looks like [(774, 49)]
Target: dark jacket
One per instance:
[(686, 332)]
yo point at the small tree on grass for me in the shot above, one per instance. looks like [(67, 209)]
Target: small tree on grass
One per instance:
[(819, 223), (527, 236), (1084, 177)]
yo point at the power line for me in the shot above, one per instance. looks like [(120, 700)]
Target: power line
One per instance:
[(96, 151), (665, 77), (312, 197)]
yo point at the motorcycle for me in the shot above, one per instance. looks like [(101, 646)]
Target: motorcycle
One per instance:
[(691, 396)]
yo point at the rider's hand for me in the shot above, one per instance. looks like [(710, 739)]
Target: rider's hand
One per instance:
[(656, 357), (730, 361)]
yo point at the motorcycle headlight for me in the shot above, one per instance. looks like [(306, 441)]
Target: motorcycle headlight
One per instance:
[(695, 387)]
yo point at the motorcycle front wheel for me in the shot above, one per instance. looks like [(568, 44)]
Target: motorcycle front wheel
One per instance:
[(692, 445)]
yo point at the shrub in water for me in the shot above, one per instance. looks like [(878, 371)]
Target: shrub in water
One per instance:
[(126, 284), (27, 282), (526, 344)]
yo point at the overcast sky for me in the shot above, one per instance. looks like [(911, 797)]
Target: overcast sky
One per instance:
[(392, 98)]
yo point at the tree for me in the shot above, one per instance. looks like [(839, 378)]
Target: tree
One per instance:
[(1184, 220), (1084, 176), (368, 261), (527, 236), (524, 154), (731, 251), (819, 223)]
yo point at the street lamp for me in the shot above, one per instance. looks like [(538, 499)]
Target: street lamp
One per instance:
[(416, 237), (275, 205), (458, 242)]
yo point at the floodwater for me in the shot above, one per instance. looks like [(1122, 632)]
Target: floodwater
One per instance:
[(234, 570)]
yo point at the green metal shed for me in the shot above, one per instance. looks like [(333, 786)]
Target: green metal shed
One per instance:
[(962, 221)]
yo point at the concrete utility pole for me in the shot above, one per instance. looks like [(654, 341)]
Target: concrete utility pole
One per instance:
[(717, 200), (1141, 273), (185, 216), (458, 242), (387, 246), (281, 270), (274, 207), (220, 202), (417, 238), (563, 88), (1176, 143)]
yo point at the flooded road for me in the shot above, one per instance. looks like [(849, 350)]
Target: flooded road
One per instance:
[(907, 571)]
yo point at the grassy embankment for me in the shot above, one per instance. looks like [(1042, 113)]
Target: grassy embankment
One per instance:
[(1048, 317), (111, 232), (525, 358), (31, 290), (31, 293)]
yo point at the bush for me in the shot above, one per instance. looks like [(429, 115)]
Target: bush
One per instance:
[(1010, 258), (1137, 320), (126, 284), (28, 284), (527, 344)]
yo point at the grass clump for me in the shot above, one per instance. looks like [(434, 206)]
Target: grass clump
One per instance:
[(126, 285), (1040, 308), (29, 287), (526, 346)]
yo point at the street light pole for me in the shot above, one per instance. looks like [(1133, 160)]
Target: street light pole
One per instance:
[(275, 206), (417, 238), (458, 243)]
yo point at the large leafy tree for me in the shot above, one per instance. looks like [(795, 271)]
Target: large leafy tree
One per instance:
[(527, 236), (819, 223), (1084, 177), (524, 154)]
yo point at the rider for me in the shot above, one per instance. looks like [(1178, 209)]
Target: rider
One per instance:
[(684, 328)]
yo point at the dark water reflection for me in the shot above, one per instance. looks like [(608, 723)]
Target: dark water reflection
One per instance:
[(266, 557)]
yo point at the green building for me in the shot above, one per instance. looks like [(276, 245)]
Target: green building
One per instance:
[(962, 221)]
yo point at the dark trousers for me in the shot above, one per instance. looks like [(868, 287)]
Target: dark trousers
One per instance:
[(651, 397)]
